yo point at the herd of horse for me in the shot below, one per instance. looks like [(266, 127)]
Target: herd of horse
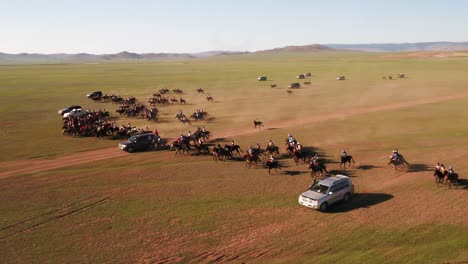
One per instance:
[(95, 124)]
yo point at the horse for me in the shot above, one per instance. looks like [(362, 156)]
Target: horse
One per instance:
[(258, 123), (289, 92), (200, 90), (272, 165), (209, 98), (452, 179), (182, 101), (273, 85), (439, 176), (231, 149), (220, 153), (251, 159), (180, 148), (272, 150), (299, 155), (400, 161), (317, 167), (306, 83), (346, 159), (174, 100), (200, 148)]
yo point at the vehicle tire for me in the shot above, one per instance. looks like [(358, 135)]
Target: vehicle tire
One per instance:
[(347, 197), (130, 150), (324, 206)]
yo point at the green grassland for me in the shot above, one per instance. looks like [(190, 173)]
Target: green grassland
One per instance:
[(152, 206), (30, 95)]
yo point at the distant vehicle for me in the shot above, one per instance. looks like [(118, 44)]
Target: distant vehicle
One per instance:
[(68, 109), (75, 113), (96, 94), (327, 192), (138, 142), (340, 78), (294, 85), (300, 76), (262, 78)]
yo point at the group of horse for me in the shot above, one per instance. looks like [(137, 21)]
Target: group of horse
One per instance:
[(159, 99), (449, 176)]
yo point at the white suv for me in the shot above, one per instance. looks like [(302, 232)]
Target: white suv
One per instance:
[(326, 192)]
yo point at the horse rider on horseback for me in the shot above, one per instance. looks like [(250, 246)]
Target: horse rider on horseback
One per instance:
[(189, 134), (451, 170), (291, 140), (251, 151), (344, 154), (298, 147), (395, 156), (258, 147), (270, 144), (314, 159), (203, 129), (271, 159), (232, 144)]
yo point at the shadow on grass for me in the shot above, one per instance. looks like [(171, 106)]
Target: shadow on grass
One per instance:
[(367, 167), (462, 183), (293, 172), (360, 200), (418, 168), (342, 172)]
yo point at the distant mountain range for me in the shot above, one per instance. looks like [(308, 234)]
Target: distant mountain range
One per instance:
[(403, 47), (129, 56)]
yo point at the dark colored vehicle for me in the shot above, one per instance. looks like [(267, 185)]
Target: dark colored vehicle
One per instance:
[(68, 109), (96, 94), (138, 142), (294, 85)]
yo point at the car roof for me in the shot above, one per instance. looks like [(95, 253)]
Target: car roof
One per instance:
[(331, 180)]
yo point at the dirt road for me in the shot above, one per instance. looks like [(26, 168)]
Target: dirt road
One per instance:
[(31, 166)]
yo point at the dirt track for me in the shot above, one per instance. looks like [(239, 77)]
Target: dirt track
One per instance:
[(32, 166)]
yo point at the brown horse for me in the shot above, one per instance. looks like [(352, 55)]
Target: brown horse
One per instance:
[(272, 165), (345, 160), (209, 98), (258, 123), (251, 159), (400, 162)]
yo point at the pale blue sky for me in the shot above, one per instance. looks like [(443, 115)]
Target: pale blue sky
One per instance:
[(109, 26)]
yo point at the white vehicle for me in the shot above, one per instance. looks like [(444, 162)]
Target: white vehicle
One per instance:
[(75, 113), (327, 192)]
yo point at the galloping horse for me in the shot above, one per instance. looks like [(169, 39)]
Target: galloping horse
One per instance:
[(317, 167), (251, 159), (272, 165), (258, 123), (231, 149), (272, 150), (299, 155), (345, 160), (400, 161)]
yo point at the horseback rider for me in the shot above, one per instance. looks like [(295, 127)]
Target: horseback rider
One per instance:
[(314, 159), (232, 144), (395, 155), (451, 170), (251, 151), (298, 147), (204, 129), (271, 159), (291, 140), (270, 144), (344, 154), (189, 134), (437, 166), (258, 147)]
